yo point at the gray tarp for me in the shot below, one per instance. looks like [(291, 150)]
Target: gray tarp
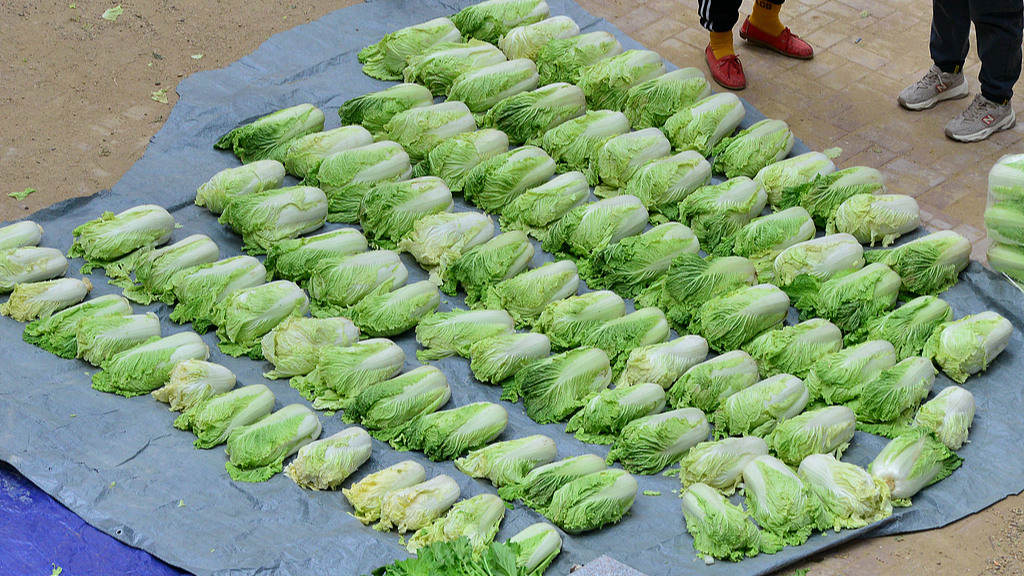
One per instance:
[(121, 466)]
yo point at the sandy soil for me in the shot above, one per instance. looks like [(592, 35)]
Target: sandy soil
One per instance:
[(76, 112)]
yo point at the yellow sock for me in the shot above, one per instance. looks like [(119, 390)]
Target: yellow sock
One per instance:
[(765, 17), (721, 44)]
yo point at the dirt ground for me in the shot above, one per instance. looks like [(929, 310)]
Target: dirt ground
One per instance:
[(76, 111)]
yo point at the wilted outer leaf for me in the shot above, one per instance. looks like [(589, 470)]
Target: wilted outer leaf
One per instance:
[(949, 415), (527, 41), (417, 506), (871, 218), (268, 217), (496, 359), (246, 315), (650, 444), (100, 338), (691, 281), (564, 60), (663, 364), (335, 284), (542, 482), (347, 176), (605, 415), (389, 211), (505, 463), (593, 501), (704, 124), (731, 320), (721, 529), (488, 21), (385, 313), (593, 226), (389, 406), (198, 290), (342, 373), (386, 59), (213, 420), (269, 137), (57, 334), (912, 461), (526, 295), (448, 434), (851, 497), (447, 333), (634, 263), (823, 431), (567, 322), (230, 183), (535, 210), (554, 388), (145, 368), (193, 382), (37, 300), (374, 110), (326, 463), (476, 519), (294, 345), (367, 495), (498, 259), (968, 345), (258, 450), (709, 383), (651, 103), (572, 143), (720, 464), (794, 349)]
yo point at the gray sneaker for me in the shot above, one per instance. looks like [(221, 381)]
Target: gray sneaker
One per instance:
[(935, 87), (980, 120)]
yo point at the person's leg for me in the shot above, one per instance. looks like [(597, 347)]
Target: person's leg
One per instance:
[(949, 44), (763, 28), (765, 17), (999, 25), (951, 34), (718, 17)]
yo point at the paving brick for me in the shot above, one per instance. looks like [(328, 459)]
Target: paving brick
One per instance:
[(637, 20), (654, 33), (855, 52), (945, 194), (874, 156), (844, 76)]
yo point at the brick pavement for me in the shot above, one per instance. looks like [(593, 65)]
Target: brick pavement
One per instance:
[(866, 52)]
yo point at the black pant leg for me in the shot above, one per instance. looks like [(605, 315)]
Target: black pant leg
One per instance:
[(999, 26), (951, 33), (719, 15)]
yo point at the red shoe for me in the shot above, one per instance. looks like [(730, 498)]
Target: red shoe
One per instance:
[(727, 71), (786, 43)]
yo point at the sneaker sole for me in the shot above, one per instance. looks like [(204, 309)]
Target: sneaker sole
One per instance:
[(1007, 123), (961, 91), (773, 48)]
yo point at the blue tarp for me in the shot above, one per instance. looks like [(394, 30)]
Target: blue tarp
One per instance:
[(121, 466)]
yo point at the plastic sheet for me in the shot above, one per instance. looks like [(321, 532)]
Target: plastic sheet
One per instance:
[(122, 467)]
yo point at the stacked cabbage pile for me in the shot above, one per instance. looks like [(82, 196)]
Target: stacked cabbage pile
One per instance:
[(772, 412), (1004, 217)]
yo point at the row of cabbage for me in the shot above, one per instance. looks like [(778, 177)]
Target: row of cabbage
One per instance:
[(666, 231), (136, 360)]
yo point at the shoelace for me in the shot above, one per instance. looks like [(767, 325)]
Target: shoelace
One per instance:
[(930, 79), (978, 108), (731, 65)]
